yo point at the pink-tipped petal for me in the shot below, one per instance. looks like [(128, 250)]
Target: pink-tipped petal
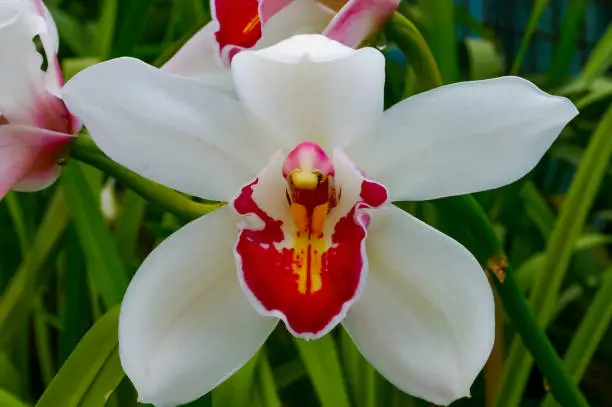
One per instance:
[(358, 19), (28, 157), (268, 8)]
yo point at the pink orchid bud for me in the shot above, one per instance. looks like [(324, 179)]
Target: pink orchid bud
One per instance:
[(35, 125)]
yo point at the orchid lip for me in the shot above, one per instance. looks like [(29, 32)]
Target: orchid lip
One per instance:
[(307, 264)]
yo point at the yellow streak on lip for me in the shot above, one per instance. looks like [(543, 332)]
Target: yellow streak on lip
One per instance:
[(307, 263), (251, 25)]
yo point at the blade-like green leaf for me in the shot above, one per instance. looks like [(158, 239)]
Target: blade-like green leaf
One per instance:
[(483, 59), (95, 237), (128, 225), (532, 25), (18, 297), (8, 400), (239, 389), (78, 374), (323, 366), (105, 383), (589, 334), (267, 386), (439, 21), (569, 35)]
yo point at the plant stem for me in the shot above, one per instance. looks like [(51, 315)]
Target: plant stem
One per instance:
[(171, 201), (410, 40)]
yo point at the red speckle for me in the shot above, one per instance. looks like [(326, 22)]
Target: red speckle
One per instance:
[(373, 193)]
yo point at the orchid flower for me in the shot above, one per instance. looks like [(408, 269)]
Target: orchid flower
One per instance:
[(309, 164), (35, 126), (253, 24)]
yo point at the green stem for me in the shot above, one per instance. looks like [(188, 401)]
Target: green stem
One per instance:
[(171, 201), (589, 334), (410, 40)]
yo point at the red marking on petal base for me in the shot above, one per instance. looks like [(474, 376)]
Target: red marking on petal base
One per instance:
[(239, 23), (268, 268)]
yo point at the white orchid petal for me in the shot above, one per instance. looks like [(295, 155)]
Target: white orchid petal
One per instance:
[(185, 324), (21, 80), (199, 60), (167, 128), (310, 88), (463, 138), (298, 17), (426, 317)]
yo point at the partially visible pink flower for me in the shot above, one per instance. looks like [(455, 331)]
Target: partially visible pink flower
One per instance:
[(35, 125), (253, 24)]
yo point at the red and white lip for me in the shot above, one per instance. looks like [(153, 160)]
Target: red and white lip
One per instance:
[(35, 126), (415, 301), (301, 254)]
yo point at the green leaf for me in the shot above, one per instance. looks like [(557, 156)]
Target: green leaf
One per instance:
[(569, 34), (72, 33), (72, 66), (532, 25), (8, 400), (10, 378), (600, 59), (105, 383), (239, 389), (266, 384), (18, 297), (43, 342), (589, 334), (530, 269), (19, 223), (128, 225), (77, 376), (439, 20), (483, 59), (568, 228), (105, 31), (132, 26), (95, 237), (322, 363)]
